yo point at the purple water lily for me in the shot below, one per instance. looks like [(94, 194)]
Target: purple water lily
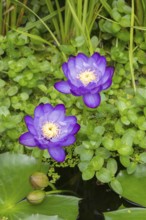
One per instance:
[(87, 77), (50, 129)]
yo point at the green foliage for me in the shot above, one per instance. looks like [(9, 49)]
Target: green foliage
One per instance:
[(133, 189), (30, 63), (13, 204), (127, 214), (134, 185)]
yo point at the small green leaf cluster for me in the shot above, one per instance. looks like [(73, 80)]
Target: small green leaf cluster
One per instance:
[(120, 14), (115, 139), (27, 77)]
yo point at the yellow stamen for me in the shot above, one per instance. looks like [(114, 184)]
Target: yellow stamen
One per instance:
[(50, 130), (86, 77)]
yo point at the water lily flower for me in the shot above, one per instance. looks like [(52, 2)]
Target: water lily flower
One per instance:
[(87, 77), (50, 129)]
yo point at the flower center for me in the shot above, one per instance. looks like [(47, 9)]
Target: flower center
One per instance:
[(86, 77), (50, 130)]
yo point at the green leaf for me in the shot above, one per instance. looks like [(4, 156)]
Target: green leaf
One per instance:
[(103, 152), (131, 168), (86, 155), (112, 166), (79, 41), (116, 186), (4, 111), (66, 207), (83, 165), (134, 185), (126, 214), (15, 171), (143, 157), (2, 83), (125, 150), (125, 160), (12, 91), (108, 143), (88, 174), (94, 42), (99, 130), (68, 49), (96, 163), (43, 217), (104, 175)]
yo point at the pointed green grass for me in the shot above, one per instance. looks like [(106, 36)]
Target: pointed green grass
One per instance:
[(21, 13), (67, 22), (79, 9), (131, 48), (1, 16), (144, 10), (46, 18), (35, 37), (49, 4), (95, 14), (77, 22), (45, 25), (6, 18), (139, 10), (60, 19), (13, 17), (84, 14), (106, 6)]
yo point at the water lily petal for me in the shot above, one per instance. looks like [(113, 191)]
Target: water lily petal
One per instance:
[(57, 153), (107, 84), (57, 114), (65, 69), (75, 129), (92, 100), (70, 119), (101, 64), (28, 120), (27, 139), (32, 129), (38, 112), (70, 140), (47, 108), (63, 87)]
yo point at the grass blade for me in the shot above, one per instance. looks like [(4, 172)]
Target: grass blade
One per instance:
[(131, 48), (1, 16)]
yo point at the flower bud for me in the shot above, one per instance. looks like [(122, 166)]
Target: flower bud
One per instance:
[(36, 197), (39, 180)]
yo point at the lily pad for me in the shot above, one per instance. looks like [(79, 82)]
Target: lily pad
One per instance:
[(134, 185), (15, 170), (126, 214), (43, 217)]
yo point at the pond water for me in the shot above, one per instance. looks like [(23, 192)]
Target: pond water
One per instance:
[(96, 198)]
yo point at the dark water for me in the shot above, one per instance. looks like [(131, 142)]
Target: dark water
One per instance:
[(96, 198)]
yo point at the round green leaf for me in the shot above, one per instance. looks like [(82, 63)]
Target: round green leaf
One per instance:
[(15, 171), (88, 174), (96, 163), (116, 186), (43, 217), (112, 166), (134, 185), (126, 214), (104, 175)]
